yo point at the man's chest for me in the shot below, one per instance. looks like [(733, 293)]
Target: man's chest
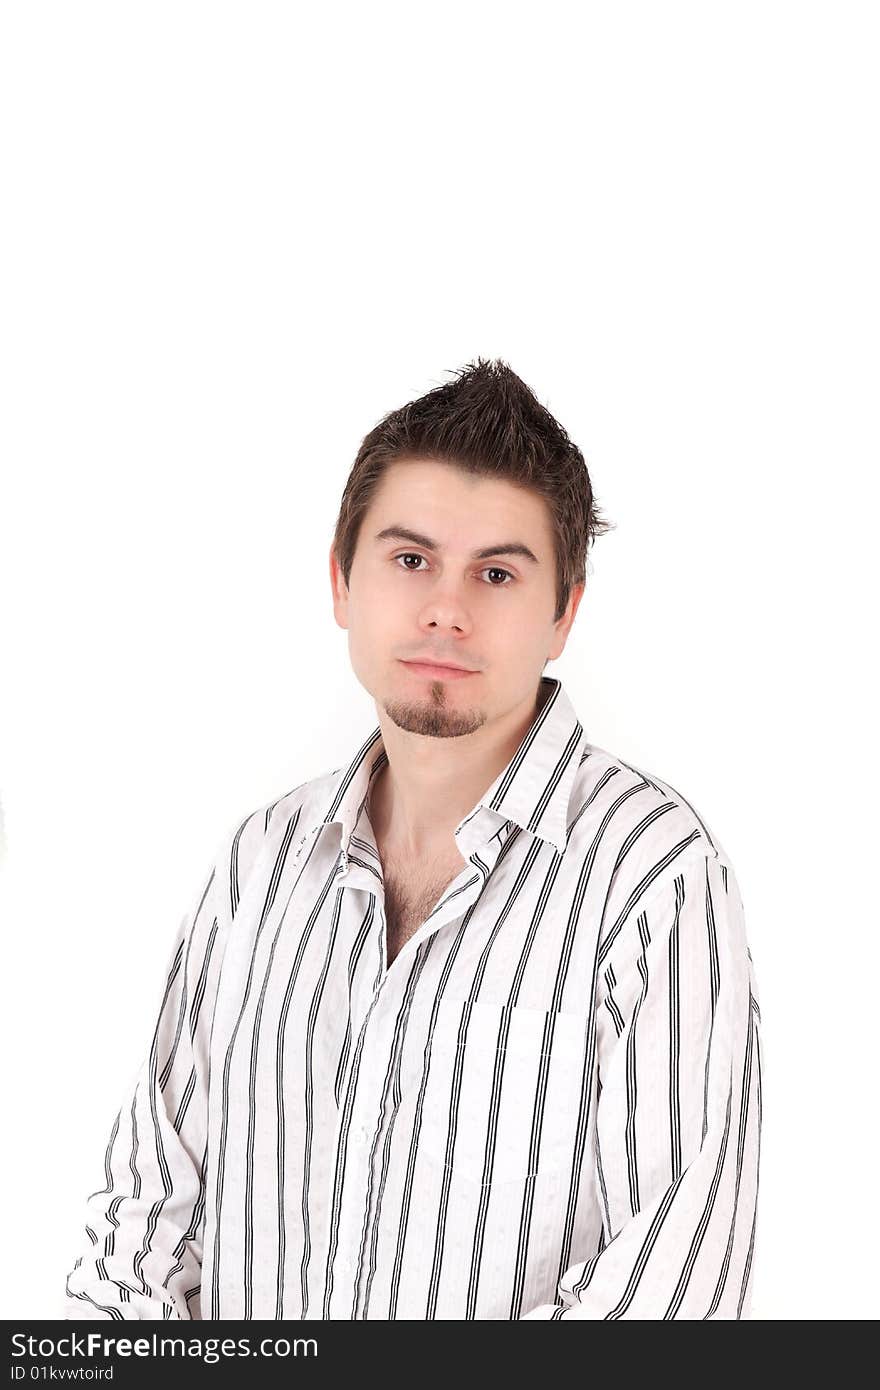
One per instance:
[(412, 890)]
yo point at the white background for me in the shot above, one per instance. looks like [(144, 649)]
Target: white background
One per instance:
[(233, 236)]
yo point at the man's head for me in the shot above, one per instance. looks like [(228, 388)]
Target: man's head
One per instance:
[(436, 488)]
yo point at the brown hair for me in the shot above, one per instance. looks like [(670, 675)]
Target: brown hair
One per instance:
[(486, 421)]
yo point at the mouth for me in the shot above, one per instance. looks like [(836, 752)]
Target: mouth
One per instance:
[(427, 670)]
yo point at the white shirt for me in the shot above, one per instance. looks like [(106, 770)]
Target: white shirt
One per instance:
[(547, 1106)]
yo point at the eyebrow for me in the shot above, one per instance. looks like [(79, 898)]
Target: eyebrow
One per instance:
[(403, 533)]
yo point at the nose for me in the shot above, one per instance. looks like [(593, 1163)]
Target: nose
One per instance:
[(445, 611)]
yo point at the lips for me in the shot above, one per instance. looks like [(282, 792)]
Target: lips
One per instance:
[(427, 661), (437, 671)]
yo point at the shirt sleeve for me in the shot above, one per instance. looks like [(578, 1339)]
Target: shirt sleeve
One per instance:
[(142, 1248), (678, 1110)]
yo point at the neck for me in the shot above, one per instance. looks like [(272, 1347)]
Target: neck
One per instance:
[(430, 784)]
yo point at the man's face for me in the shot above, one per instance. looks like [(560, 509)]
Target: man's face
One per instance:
[(409, 601)]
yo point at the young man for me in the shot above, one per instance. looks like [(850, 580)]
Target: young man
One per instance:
[(467, 1027)]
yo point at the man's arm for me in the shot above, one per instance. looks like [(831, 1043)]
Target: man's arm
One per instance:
[(144, 1228), (679, 1109)]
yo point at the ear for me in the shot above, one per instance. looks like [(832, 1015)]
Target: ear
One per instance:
[(339, 589), (562, 627)]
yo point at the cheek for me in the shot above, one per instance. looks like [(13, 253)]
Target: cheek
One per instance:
[(377, 611), (373, 588), (385, 584)]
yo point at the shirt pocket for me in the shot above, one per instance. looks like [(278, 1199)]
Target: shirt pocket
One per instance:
[(504, 1091)]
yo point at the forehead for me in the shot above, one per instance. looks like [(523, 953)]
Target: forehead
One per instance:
[(457, 506)]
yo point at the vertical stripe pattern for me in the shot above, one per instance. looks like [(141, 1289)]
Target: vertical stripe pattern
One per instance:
[(547, 1106)]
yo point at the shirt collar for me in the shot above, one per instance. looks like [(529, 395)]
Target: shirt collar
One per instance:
[(533, 790)]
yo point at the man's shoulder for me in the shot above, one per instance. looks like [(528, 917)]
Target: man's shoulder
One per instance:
[(644, 807), (269, 822), (258, 836)]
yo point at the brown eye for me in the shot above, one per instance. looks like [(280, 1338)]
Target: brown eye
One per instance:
[(491, 569)]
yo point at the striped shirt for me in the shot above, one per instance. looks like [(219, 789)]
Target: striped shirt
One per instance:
[(547, 1106)]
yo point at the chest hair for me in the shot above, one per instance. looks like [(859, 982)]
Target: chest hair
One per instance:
[(410, 895)]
